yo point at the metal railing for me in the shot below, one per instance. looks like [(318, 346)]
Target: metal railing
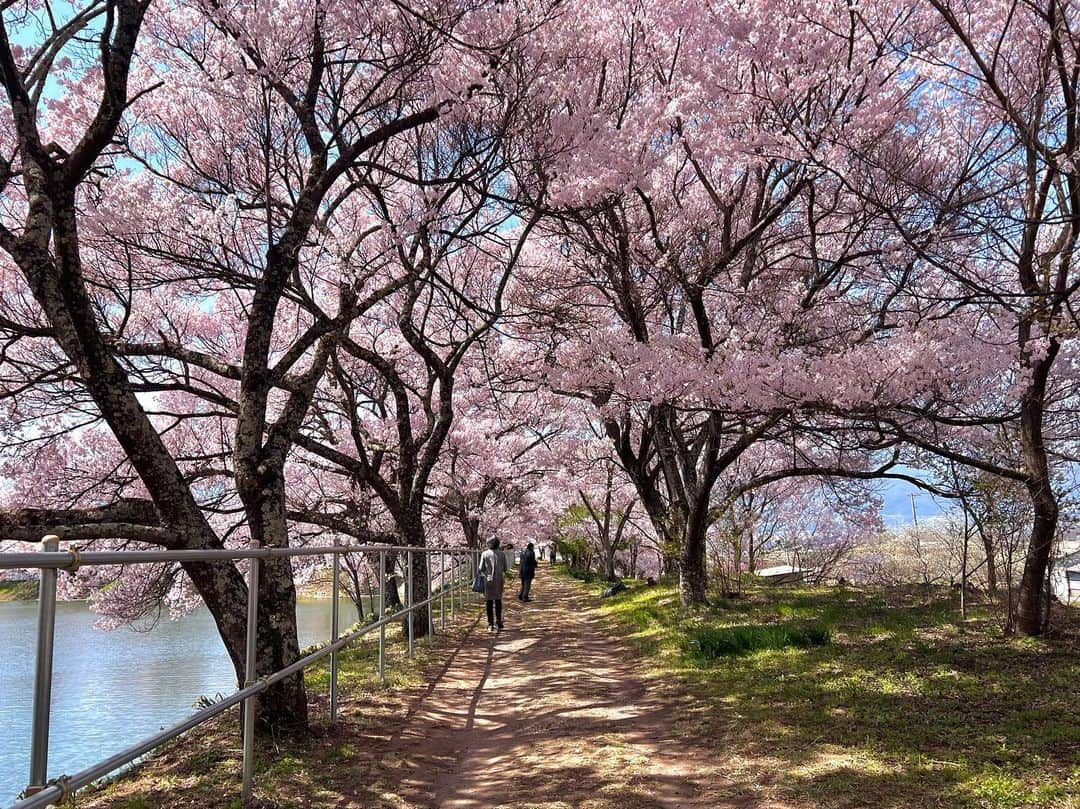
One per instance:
[(459, 562)]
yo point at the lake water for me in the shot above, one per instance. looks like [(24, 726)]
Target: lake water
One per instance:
[(112, 689)]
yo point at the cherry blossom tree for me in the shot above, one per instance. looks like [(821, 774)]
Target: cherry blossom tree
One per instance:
[(608, 498), (708, 287), (443, 226), (981, 184), (183, 229), (503, 459)]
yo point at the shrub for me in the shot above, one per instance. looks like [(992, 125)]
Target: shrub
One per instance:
[(586, 576), (711, 643)]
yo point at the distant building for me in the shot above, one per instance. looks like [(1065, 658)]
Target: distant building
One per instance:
[(782, 574), (1065, 577)]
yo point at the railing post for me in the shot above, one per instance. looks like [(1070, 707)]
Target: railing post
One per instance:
[(39, 739), (442, 590), (334, 595), (382, 614), (409, 599), (473, 567), (250, 673), (427, 557), (454, 582)]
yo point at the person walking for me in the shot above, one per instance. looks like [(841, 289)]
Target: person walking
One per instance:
[(493, 568), (527, 570), (552, 553)]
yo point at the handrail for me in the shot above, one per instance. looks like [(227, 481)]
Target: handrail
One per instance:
[(462, 562), (77, 558)]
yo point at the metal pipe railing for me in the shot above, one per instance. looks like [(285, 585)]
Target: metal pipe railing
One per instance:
[(335, 597), (430, 584), (382, 614), (39, 737), (75, 558), (409, 601), (41, 793), (250, 674)]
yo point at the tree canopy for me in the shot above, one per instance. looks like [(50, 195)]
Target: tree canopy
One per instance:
[(415, 272)]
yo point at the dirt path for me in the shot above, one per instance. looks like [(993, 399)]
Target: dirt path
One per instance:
[(548, 714)]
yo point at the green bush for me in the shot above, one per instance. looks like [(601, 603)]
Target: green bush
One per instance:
[(586, 576), (711, 643)]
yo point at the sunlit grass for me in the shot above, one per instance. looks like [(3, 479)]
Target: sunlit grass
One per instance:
[(907, 706)]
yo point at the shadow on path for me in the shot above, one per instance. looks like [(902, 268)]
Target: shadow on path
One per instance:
[(549, 714)]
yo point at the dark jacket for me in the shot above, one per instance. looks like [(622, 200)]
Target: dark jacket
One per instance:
[(528, 563)]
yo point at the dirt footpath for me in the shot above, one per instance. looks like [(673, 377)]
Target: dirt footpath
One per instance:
[(548, 714)]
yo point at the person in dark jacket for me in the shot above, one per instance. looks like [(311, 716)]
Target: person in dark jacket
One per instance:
[(527, 571)]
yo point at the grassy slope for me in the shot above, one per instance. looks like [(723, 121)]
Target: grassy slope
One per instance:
[(906, 707), (18, 590)]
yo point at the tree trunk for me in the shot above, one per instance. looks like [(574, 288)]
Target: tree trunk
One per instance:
[(354, 577), (669, 564), (609, 566), (62, 294), (964, 569), (470, 529), (393, 593), (420, 592), (1031, 602), (412, 530), (371, 599), (283, 707), (991, 562), (693, 579), (224, 592)]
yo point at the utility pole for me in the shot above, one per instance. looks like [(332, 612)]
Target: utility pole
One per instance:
[(964, 569), (918, 544)]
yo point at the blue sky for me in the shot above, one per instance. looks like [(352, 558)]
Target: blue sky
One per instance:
[(896, 509)]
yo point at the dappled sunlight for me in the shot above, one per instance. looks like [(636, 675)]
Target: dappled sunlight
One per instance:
[(829, 760), (908, 706), (563, 711), (552, 712)]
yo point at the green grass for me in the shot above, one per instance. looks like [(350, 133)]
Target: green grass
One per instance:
[(709, 643), (358, 665), (847, 698)]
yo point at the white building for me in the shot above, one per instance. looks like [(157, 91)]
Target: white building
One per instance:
[(1065, 578), (782, 574)]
